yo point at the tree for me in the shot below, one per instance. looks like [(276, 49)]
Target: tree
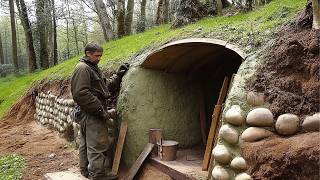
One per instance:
[(28, 34), (142, 21), (189, 11), (120, 18), (13, 36), (55, 45), (162, 12), (104, 19), (41, 27), (129, 15), (316, 14), (1, 51)]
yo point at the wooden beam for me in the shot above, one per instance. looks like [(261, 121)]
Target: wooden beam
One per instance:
[(117, 156), (210, 140), (137, 164), (176, 175), (223, 91)]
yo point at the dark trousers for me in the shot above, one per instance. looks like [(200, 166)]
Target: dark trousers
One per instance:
[(95, 146)]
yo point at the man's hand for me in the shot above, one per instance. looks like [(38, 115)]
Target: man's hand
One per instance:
[(123, 69), (112, 113)]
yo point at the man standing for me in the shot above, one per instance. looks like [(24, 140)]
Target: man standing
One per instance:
[(90, 90)]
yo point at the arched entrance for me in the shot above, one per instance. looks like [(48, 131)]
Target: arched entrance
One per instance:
[(175, 88)]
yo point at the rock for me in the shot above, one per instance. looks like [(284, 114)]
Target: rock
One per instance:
[(312, 123), (253, 134), (233, 116), (52, 155), (287, 124), (238, 163), (219, 173), (260, 117), (221, 154), (255, 98), (243, 176), (229, 134)]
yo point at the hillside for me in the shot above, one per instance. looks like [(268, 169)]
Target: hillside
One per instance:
[(250, 31)]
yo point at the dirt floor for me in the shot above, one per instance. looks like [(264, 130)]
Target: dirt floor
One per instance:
[(20, 134), (290, 79)]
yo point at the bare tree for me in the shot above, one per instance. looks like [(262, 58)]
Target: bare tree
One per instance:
[(22, 9), (104, 19), (41, 27), (120, 18), (55, 45), (316, 14), (1, 51), (142, 21), (13, 36), (129, 16)]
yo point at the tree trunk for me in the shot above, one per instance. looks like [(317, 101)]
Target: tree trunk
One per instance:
[(120, 18), (219, 7), (249, 5), (67, 22), (316, 14), (55, 45), (142, 21), (166, 11), (41, 27), (104, 19), (189, 11), (1, 51), (13, 36), (160, 13), (28, 34), (49, 28), (75, 30), (129, 15)]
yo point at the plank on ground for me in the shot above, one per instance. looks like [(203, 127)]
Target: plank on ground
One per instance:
[(137, 164)]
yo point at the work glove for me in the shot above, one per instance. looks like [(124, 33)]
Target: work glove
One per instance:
[(123, 69)]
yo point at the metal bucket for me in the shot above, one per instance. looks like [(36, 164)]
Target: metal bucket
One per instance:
[(168, 150)]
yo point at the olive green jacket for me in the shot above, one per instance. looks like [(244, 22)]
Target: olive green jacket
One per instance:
[(89, 87)]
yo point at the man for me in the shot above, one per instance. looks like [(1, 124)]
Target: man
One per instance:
[(90, 90)]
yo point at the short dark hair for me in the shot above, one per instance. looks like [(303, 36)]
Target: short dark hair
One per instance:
[(92, 47)]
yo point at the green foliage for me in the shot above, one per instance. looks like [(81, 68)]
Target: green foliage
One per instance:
[(11, 167), (246, 30)]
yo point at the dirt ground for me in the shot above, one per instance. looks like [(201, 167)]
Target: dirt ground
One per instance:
[(290, 79), (20, 134), (297, 157)]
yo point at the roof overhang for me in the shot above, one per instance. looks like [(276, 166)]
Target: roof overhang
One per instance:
[(191, 55)]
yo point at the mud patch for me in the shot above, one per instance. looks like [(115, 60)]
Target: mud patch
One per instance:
[(296, 157), (290, 76)]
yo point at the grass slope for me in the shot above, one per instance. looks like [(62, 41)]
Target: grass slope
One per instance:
[(246, 30)]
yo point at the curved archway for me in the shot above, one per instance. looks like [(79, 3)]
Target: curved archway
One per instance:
[(164, 90)]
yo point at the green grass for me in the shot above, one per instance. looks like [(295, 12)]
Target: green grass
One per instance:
[(247, 30), (11, 167)]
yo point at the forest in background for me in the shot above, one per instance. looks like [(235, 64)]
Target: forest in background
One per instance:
[(38, 34)]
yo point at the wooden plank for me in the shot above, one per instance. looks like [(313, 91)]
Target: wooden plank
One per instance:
[(215, 142), (118, 153), (137, 164), (176, 175), (223, 91), (202, 114), (210, 140)]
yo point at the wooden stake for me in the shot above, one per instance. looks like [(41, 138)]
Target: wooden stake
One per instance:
[(117, 156), (214, 124)]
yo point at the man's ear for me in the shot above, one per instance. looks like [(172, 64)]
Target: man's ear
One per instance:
[(88, 53)]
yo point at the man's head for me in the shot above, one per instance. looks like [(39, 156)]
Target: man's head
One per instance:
[(94, 52)]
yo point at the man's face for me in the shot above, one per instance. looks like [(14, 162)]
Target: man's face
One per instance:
[(94, 57)]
